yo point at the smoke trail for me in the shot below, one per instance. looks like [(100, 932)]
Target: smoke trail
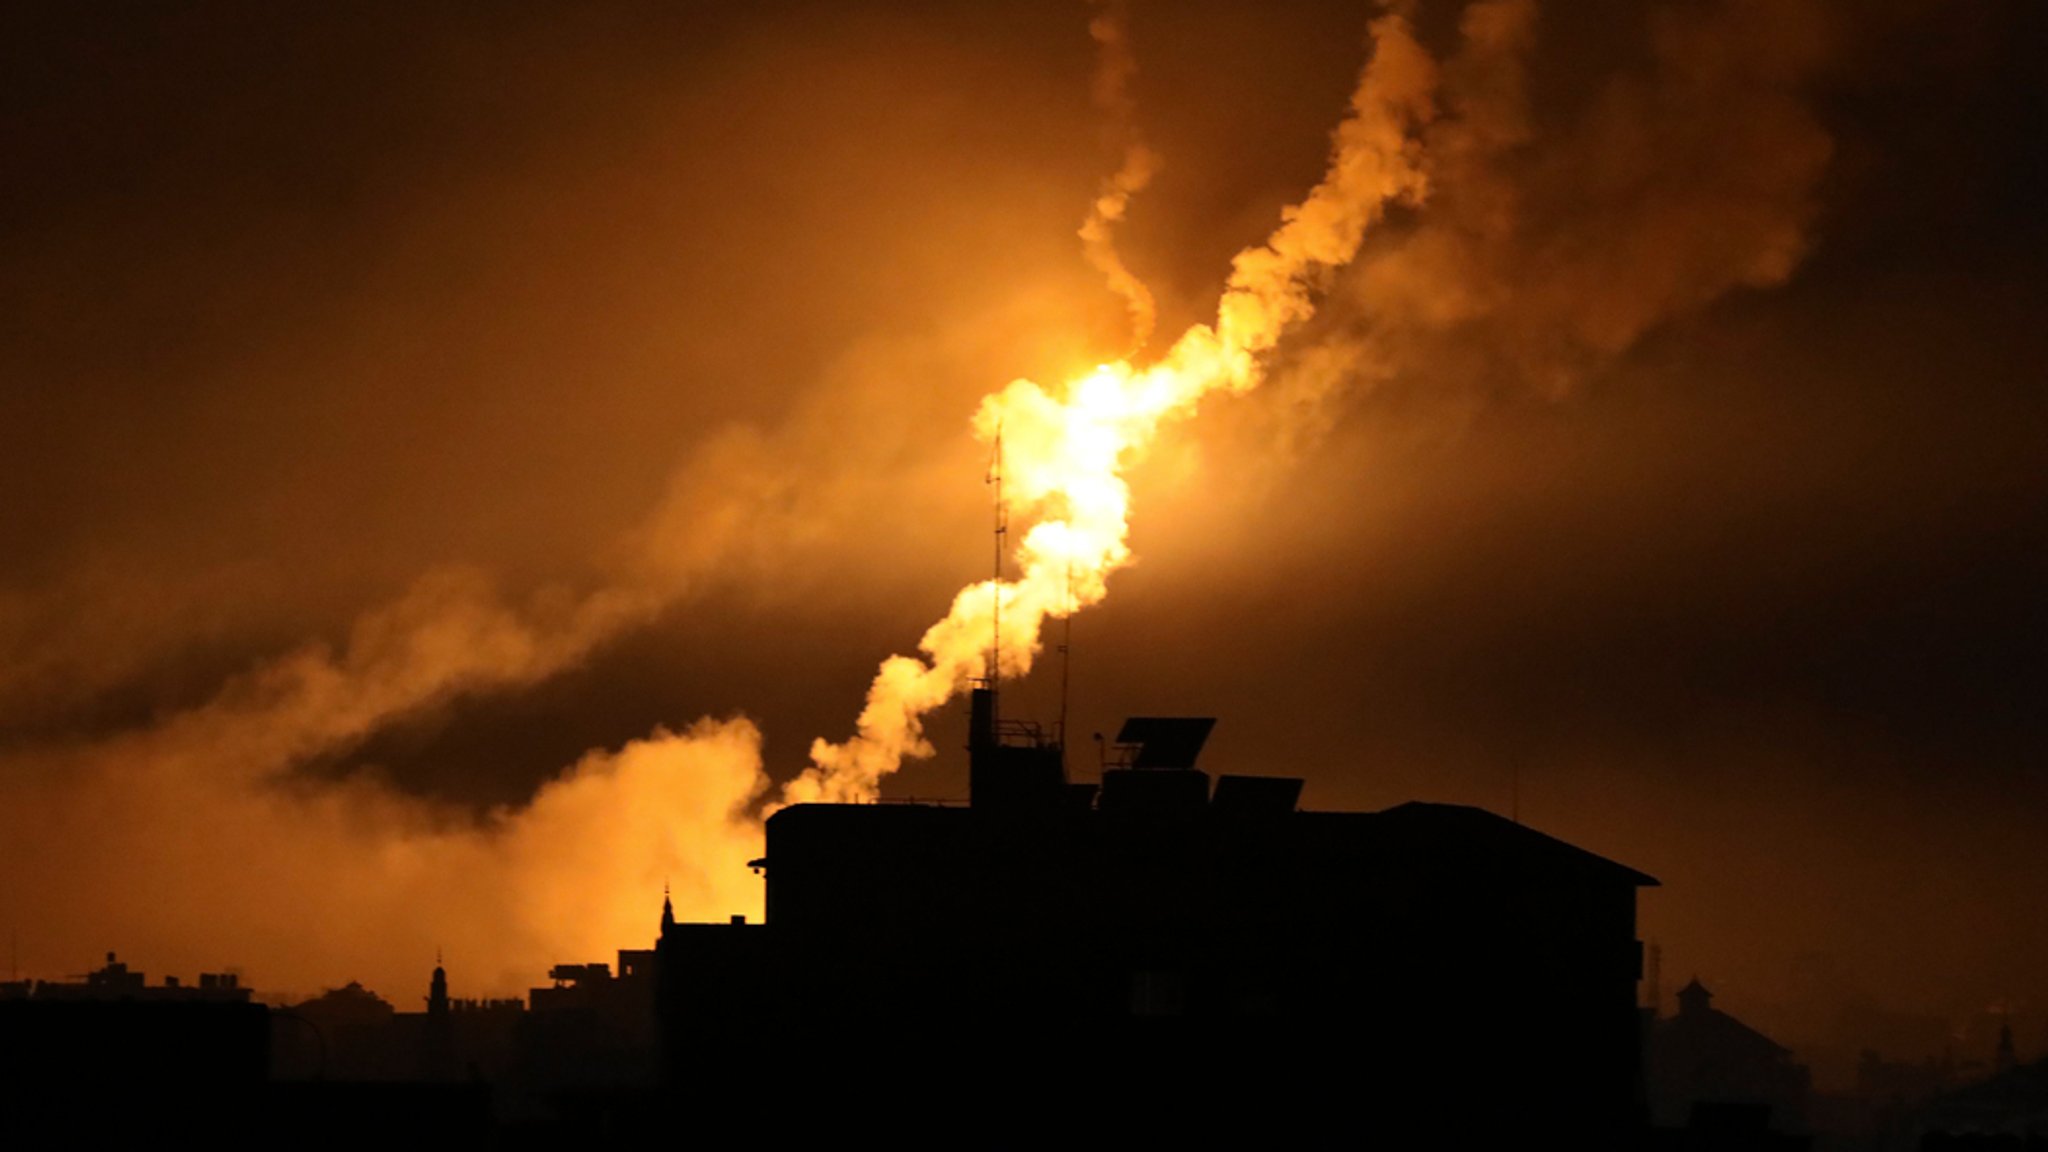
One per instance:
[(1065, 454), (195, 865), (1548, 250), (1115, 65), (197, 840)]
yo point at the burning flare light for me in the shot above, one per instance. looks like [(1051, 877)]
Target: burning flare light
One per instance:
[(1065, 449)]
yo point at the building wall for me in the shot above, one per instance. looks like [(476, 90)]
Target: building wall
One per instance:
[(1396, 972)]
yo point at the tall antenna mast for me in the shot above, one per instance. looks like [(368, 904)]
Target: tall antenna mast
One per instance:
[(1066, 661), (995, 647)]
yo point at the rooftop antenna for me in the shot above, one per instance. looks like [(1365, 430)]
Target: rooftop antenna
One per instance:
[(1066, 662), (995, 647)]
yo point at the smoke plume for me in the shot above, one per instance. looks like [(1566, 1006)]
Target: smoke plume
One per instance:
[(1064, 455), (1552, 244), (1115, 66)]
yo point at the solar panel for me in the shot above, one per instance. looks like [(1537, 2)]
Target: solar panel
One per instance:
[(1166, 741)]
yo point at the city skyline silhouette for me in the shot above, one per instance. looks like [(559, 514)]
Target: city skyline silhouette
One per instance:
[(471, 480)]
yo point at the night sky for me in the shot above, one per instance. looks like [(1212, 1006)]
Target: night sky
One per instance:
[(406, 406)]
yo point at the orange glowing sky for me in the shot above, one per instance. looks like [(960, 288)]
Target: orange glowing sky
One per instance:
[(437, 452)]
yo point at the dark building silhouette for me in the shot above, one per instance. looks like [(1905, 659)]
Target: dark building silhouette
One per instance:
[(352, 1034), (2009, 1105), (1158, 955), (1703, 1055), (117, 982), (1904, 1081), (109, 1055), (1970, 1104), (592, 1028), (350, 1070), (437, 1030), (345, 1033), (1164, 956), (461, 1039)]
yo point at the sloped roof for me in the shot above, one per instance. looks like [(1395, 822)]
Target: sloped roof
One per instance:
[(1715, 1030), (1487, 838)]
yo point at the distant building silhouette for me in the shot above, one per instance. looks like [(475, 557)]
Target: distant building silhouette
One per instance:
[(1703, 1055), (115, 981), (345, 1033), (1896, 1083), (2004, 1105), (1210, 961), (2011, 1105), (352, 1034)]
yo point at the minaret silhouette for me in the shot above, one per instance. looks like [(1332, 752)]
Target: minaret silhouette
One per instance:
[(437, 1034), (437, 989), (668, 910)]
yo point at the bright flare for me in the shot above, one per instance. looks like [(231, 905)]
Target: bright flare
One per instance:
[(1065, 451)]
